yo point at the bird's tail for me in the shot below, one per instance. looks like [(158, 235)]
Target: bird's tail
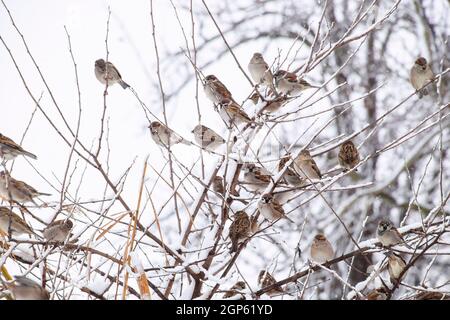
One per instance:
[(44, 194), (124, 84), (29, 154)]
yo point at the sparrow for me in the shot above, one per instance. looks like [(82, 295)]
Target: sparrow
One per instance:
[(321, 249), (348, 155), (240, 229), (288, 83), (23, 288), (270, 208), (58, 230), (165, 136), (18, 191), (232, 113), (207, 138), (270, 106), (216, 90), (377, 294), (235, 290), (11, 221), (396, 265), (420, 75), (388, 234), (9, 149), (265, 279), (260, 71), (218, 187), (255, 177), (291, 175), (107, 71), (306, 166)]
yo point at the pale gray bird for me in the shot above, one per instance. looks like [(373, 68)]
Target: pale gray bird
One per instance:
[(9, 221), (165, 136), (420, 75), (16, 190), (396, 265), (58, 230), (321, 249), (291, 175), (23, 288), (306, 166), (260, 71), (270, 208), (9, 149), (207, 138), (107, 71), (388, 234)]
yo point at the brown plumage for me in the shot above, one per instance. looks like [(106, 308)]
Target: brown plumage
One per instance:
[(256, 178), (348, 155), (240, 229), (396, 265), (107, 71), (16, 190), (9, 149), (232, 113), (306, 166), (216, 90), (291, 175), (9, 221), (235, 290), (265, 279), (58, 230)]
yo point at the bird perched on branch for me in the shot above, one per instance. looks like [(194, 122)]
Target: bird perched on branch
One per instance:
[(265, 279), (23, 288), (288, 83), (9, 149), (307, 167), (420, 75), (388, 234), (240, 229), (348, 155), (235, 290), (58, 230), (207, 138), (272, 104), (270, 208), (231, 113), (321, 249), (9, 221), (260, 71), (396, 265), (216, 90), (106, 71), (165, 136), (16, 190), (256, 178), (291, 175)]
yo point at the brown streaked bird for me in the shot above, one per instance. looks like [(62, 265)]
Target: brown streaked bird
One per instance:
[(377, 294), (235, 290), (231, 113), (270, 208), (307, 167), (240, 229), (216, 90), (291, 175), (256, 178), (107, 71), (388, 234), (272, 105), (11, 221), (396, 265), (420, 75), (321, 249), (58, 230), (165, 136), (16, 190), (23, 288), (218, 186), (207, 138), (265, 279), (348, 155), (10, 150), (288, 83)]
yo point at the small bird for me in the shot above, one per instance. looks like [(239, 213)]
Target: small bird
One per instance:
[(11, 221), (288, 83), (164, 136), (348, 155), (291, 176), (216, 90), (306, 166), (16, 190), (107, 71), (256, 178), (420, 75), (23, 288), (265, 279), (388, 234), (217, 185), (240, 229), (9, 149), (377, 294), (270, 208), (207, 138), (396, 265), (235, 290), (272, 105), (231, 113), (321, 249), (260, 71), (58, 230)]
